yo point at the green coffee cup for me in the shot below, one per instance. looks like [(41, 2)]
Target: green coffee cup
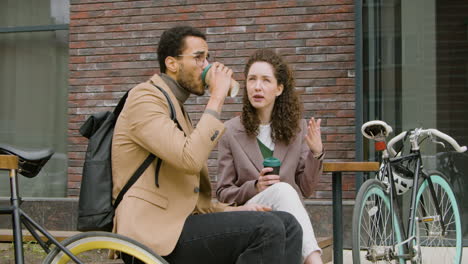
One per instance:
[(274, 163), (233, 86), (204, 73)]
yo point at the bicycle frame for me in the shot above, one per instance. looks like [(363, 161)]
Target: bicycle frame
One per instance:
[(20, 217), (418, 172)]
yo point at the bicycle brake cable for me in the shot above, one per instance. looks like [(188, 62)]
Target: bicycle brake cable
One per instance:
[(403, 143), (422, 140)]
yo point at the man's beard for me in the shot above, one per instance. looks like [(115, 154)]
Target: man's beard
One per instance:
[(189, 83)]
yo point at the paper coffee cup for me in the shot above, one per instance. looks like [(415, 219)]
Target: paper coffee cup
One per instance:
[(233, 86), (274, 163)]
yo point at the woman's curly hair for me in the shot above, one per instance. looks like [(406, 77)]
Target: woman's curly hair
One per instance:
[(287, 109)]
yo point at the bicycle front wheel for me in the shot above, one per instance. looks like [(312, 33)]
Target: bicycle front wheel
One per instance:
[(440, 232), (95, 247), (375, 226)]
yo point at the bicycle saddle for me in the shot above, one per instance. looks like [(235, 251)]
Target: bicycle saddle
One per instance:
[(376, 130), (31, 161)]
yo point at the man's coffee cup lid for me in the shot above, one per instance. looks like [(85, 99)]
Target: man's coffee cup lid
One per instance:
[(271, 162)]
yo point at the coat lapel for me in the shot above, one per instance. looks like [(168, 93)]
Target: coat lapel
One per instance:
[(252, 150), (280, 151), (250, 147)]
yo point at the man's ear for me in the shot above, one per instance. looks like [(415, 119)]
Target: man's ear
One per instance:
[(172, 64)]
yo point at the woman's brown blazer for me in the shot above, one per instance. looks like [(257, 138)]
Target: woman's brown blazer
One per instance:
[(240, 162)]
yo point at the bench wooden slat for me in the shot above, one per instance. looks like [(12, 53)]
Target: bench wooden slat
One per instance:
[(8, 162), (324, 242), (350, 166), (6, 235)]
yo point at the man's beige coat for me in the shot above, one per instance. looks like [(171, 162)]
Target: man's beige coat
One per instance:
[(155, 215)]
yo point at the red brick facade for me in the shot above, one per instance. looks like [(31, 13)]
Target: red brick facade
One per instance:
[(113, 47)]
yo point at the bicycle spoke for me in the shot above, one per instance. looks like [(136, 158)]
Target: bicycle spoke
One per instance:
[(436, 243), (376, 236)]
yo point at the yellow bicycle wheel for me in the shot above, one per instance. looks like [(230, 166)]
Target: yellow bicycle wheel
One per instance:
[(99, 247)]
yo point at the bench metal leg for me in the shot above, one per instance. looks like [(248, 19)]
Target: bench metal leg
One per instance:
[(337, 219)]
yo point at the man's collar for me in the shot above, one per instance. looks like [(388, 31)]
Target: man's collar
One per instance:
[(180, 93)]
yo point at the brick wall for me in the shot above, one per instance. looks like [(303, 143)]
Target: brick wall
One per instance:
[(113, 47)]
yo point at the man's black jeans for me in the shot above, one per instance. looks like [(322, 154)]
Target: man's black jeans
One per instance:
[(239, 237)]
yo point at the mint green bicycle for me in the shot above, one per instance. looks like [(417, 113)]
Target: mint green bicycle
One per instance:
[(384, 231)]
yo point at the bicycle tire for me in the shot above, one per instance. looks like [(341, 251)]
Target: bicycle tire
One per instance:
[(436, 246), (91, 247), (372, 233)]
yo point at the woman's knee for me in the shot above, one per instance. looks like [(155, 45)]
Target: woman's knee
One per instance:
[(283, 191), (284, 188)]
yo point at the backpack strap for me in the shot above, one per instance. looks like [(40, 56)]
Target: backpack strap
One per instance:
[(134, 178), (120, 105), (171, 105), (151, 156), (173, 118)]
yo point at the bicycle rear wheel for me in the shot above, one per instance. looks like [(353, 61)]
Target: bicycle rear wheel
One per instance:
[(436, 245), (374, 236), (94, 247)]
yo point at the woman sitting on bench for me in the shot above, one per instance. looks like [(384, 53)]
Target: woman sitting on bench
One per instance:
[(271, 125)]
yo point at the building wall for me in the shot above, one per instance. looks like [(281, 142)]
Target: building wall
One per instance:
[(113, 47), (452, 68)]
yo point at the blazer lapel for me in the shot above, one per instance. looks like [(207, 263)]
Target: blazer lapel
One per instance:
[(280, 151), (251, 148)]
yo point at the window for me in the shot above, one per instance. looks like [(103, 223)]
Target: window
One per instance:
[(415, 57), (33, 87)]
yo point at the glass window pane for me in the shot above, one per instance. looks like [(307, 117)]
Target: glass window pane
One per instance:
[(416, 75), (33, 90)]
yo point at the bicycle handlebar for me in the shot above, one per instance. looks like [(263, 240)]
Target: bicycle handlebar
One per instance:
[(393, 141), (429, 132)]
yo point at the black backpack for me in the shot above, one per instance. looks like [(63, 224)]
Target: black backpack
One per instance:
[(95, 208)]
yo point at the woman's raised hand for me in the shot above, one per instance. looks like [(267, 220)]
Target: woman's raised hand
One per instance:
[(314, 136)]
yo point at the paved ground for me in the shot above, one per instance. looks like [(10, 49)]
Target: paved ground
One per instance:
[(434, 257), (34, 254)]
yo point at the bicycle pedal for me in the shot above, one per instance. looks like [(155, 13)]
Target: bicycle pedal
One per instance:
[(428, 219)]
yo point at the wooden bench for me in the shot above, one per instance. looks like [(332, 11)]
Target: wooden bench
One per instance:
[(6, 235), (326, 244)]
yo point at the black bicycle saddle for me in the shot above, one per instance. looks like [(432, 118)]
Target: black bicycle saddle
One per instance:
[(31, 161)]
